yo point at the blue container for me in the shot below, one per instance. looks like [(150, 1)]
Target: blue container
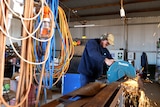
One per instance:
[(70, 82)]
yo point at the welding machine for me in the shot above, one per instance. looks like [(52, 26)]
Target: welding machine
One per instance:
[(120, 69)]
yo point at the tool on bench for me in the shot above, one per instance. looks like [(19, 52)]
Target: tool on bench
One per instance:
[(120, 69)]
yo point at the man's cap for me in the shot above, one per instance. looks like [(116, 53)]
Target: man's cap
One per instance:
[(109, 37)]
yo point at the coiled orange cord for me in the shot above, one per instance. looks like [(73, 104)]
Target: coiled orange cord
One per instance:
[(66, 52)]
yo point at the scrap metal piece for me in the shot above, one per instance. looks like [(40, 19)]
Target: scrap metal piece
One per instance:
[(88, 90), (79, 103), (103, 98)]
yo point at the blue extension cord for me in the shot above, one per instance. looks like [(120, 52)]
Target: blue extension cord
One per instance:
[(47, 83)]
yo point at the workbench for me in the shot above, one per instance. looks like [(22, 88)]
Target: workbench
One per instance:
[(107, 96)]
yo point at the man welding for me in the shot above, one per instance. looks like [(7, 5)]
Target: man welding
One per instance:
[(95, 58)]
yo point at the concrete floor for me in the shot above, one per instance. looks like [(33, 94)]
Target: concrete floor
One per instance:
[(152, 91)]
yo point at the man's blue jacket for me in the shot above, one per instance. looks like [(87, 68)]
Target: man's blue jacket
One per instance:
[(92, 61)]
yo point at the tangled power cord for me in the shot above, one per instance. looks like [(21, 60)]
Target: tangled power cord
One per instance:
[(30, 61)]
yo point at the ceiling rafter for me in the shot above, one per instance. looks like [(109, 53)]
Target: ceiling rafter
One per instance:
[(145, 10), (114, 13), (95, 6), (110, 4), (102, 10)]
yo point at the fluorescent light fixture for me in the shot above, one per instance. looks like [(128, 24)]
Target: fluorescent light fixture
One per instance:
[(122, 12), (88, 25)]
